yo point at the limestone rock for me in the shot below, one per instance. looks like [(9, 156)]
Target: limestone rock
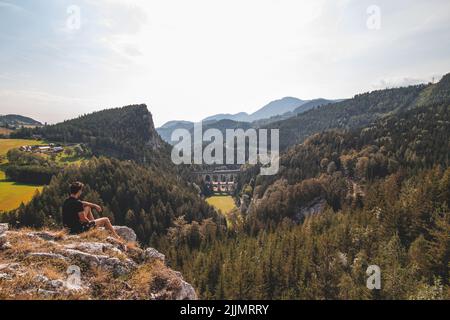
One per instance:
[(44, 235), (126, 233), (41, 278), (46, 293), (151, 254), (14, 266), (181, 291), (56, 284), (90, 259), (76, 261), (47, 255), (118, 267), (113, 264), (3, 240), (93, 247), (3, 228), (185, 292), (6, 246), (5, 276)]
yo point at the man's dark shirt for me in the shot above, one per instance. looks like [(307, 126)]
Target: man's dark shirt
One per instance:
[(70, 214)]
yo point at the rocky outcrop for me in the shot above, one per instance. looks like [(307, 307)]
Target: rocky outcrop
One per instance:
[(314, 207), (52, 265), (3, 228), (4, 244), (126, 233), (151, 254)]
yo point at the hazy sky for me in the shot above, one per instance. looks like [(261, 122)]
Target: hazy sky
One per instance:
[(190, 59)]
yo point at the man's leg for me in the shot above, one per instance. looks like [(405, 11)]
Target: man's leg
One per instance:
[(88, 212), (105, 223)]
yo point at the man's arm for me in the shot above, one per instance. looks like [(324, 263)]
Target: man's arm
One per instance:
[(92, 206), (82, 216)]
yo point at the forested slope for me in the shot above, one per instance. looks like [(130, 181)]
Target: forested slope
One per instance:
[(147, 200), (137, 184), (360, 111), (343, 200), (125, 133)]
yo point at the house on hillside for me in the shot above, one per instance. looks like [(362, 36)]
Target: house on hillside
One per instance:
[(44, 149), (52, 148)]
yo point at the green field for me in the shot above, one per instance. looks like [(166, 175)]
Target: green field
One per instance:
[(223, 203), (8, 144), (12, 194)]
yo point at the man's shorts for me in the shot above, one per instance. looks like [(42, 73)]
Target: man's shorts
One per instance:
[(84, 227)]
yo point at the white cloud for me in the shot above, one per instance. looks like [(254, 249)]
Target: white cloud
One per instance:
[(189, 59), (396, 82)]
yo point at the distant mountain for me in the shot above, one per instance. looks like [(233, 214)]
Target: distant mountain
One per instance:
[(274, 108), (241, 116), (308, 105), (176, 123), (277, 107), (16, 120), (223, 125), (274, 111), (360, 111), (312, 104), (165, 131)]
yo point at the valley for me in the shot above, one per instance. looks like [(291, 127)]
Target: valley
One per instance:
[(13, 193), (8, 144), (224, 204), (361, 182)]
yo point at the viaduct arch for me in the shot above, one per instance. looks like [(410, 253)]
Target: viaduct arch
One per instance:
[(220, 181)]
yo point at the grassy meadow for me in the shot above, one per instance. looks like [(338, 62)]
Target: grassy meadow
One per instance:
[(12, 194), (223, 203), (8, 144), (226, 205)]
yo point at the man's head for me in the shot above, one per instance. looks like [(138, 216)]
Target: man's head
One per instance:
[(76, 188)]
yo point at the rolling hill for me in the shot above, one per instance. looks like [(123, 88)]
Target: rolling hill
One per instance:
[(273, 112), (374, 191), (165, 131), (131, 176), (124, 133), (273, 108), (15, 120), (360, 111)]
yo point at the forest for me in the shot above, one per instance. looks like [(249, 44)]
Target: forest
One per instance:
[(362, 182), (131, 195), (360, 111), (125, 133), (399, 219), (385, 190), (24, 167)]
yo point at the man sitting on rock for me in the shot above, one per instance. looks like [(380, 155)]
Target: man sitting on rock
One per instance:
[(77, 215)]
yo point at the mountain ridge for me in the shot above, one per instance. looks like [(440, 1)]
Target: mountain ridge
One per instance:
[(18, 120), (275, 107), (273, 111), (123, 132)]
